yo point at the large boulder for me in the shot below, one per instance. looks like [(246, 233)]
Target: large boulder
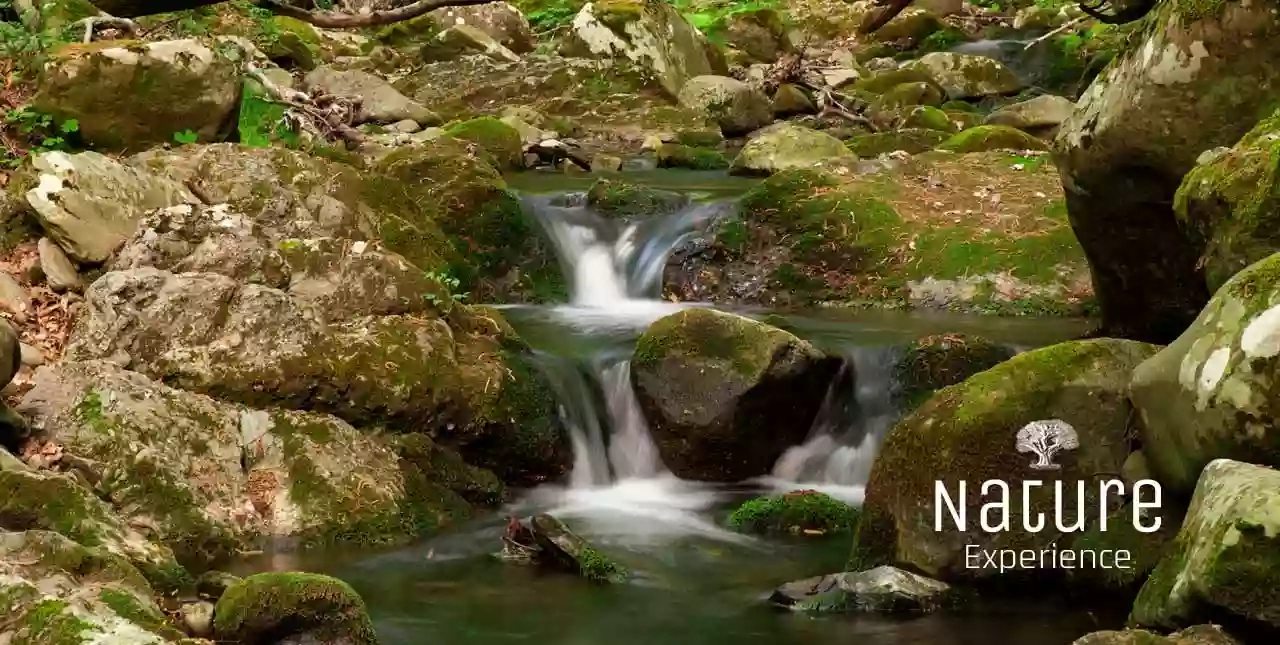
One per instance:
[(726, 395), (787, 147), (1229, 203), (964, 76), (651, 34), (737, 107), (293, 607), (498, 20), (991, 137), (138, 94), (1211, 393), (1226, 560), (379, 101), (90, 204), (1040, 114), (1198, 635), (1138, 130), (967, 433)]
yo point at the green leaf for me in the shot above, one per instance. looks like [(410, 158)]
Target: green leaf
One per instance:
[(185, 137), (69, 126)]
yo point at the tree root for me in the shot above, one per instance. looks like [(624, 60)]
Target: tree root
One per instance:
[(104, 21)]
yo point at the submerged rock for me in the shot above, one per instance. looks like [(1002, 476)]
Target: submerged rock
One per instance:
[(1210, 394), (736, 106), (132, 94), (885, 590), (785, 147), (805, 512), (564, 549), (1226, 555), (726, 395), (271, 607), (967, 433)]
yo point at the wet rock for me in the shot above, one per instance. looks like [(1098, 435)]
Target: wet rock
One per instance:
[(1197, 635), (1227, 550), (736, 106), (884, 590), (90, 204), (60, 273), (197, 618), (564, 549), (886, 80), (970, 428), (621, 199), (992, 137), (1036, 115), (805, 512), (935, 362), (652, 34), (379, 101), (673, 155), (787, 147), (500, 21), (1209, 394), (963, 76), (212, 584), (1228, 203), (122, 93), (726, 395), (1137, 131), (270, 607)]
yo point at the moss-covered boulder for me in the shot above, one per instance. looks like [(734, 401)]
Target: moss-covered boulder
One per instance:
[(1226, 560), (928, 118), (1135, 134), (939, 361), (293, 43), (963, 76), (500, 142), (909, 140), (882, 82), (269, 607), (904, 95), (1042, 114), (132, 94), (652, 34), (674, 155), (909, 27), (785, 147), (1210, 394), (992, 137), (564, 549), (380, 102), (736, 106), (726, 395), (804, 512), (1198, 635), (624, 200), (1228, 204), (966, 433), (500, 21)]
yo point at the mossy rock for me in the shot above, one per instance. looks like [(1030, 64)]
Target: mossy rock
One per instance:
[(624, 200), (1146, 550), (909, 140), (565, 549), (786, 146), (911, 26), (966, 433), (500, 142), (726, 395), (929, 118), (882, 82), (294, 42), (907, 95), (268, 607), (674, 155), (415, 31), (804, 512), (992, 137), (964, 76), (935, 362), (1230, 203)]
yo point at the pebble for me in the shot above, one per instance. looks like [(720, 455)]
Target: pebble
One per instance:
[(60, 273)]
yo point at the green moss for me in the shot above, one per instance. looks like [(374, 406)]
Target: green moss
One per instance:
[(942, 40), (50, 503), (700, 138), (1146, 550), (929, 118), (51, 622), (744, 344), (598, 567), (887, 80), (260, 120), (268, 606), (679, 156), (617, 14), (501, 143), (911, 140), (414, 31), (127, 606), (992, 137), (955, 252), (621, 199), (935, 362), (906, 95), (797, 512)]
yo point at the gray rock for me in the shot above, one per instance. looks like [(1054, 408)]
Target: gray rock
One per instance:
[(1043, 111), (963, 76), (499, 21), (785, 146), (464, 39), (407, 126), (31, 356), (571, 552), (887, 590), (380, 101), (90, 204), (736, 106), (197, 618), (58, 269), (14, 298)]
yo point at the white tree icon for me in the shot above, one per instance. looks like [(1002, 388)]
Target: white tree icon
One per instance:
[(1045, 439)]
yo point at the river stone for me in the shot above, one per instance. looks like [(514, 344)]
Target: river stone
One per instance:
[(499, 21), (1033, 115), (1211, 393), (967, 433), (785, 147), (737, 107), (53, 586), (1138, 130), (884, 590), (1227, 552), (1197, 635), (90, 204), (984, 138), (1229, 203), (131, 94), (276, 607), (651, 33), (197, 618), (726, 395), (790, 100), (565, 549), (963, 76), (14, 297), (60, 273), (379, 101)]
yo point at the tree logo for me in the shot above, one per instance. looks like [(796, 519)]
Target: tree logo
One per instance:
[(1045, 439)]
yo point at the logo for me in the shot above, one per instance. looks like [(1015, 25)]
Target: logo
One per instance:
[(1046, 439)]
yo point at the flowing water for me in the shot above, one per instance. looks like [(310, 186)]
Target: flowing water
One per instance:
[(694, 581)]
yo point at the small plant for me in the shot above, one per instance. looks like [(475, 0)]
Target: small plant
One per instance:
[(41, 130), (806, 511), (448, 284), (185, 137)]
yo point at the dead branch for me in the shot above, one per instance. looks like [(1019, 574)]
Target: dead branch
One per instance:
[(325, 116), (1070, 24), (102, 21), (337, 19)]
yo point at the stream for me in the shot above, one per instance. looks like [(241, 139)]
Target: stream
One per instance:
[(694, 582)]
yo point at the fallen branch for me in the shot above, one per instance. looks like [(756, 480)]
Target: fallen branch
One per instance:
[(337, 19), (1070, 24), (105, 21), (324, 115)]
